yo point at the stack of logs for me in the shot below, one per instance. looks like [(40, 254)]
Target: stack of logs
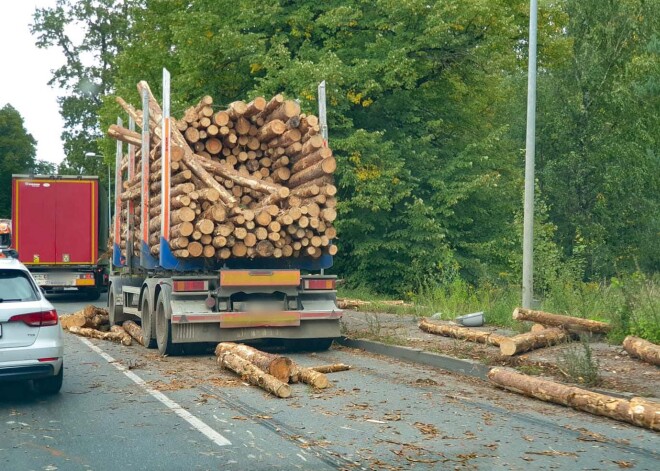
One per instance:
[(252, 180), (272, 372), (93, 322)]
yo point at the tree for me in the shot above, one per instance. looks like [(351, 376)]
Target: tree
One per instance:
[(599, 130), (87, 75), (17, 154)]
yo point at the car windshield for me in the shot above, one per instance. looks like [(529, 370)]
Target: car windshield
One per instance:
[(15, 285)]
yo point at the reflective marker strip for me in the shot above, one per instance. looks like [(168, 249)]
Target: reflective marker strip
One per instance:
[(211, 434)]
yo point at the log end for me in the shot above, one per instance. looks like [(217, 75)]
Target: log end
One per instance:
[(507, 347), (516, 313)]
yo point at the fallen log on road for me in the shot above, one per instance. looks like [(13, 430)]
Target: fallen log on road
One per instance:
[(643, 349), (90, 316), (532, 340), (134, 331), (278, 366), (309, 376), (97, 334), (254, 375), (572, 324), (333, 368), (126, 339), (637, 411), (462, 333)]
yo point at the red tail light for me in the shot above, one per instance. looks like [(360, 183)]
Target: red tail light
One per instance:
[(190, 285), (320, 284), (36, 319)]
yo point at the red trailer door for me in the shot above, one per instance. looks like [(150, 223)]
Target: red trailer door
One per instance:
[(76, 222), (55, 220), (33, 219)]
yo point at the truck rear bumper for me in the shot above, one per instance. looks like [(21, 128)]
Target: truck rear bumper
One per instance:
[(212, 332), (64, 279)]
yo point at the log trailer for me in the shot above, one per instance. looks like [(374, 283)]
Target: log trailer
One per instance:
[(57, 231), (182, 302)]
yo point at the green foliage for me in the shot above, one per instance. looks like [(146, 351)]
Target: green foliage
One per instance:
[(17, 155), (88, 73), (426, 110), (598, 136), (577, 362)]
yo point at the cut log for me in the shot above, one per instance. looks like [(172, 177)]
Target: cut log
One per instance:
[(310, 376), (97, 334), (637, 411), (572, 324), (311, 159), (333, 368), (278, 366), (271, 130), (122, 134), (125, 338), (533, 340), (643, 349), (254, 375), (134, 331), (538, 328), (319, 169), (255, 107), (462, 333)]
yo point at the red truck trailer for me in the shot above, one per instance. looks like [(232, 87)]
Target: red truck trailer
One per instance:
[(56, 228)]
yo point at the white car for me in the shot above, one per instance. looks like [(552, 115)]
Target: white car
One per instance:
[(31, 340)]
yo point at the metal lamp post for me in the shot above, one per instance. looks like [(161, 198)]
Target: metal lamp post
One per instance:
[(93, 154), (530, 148)]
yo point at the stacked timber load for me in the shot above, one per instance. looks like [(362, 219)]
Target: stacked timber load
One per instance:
[(249, 180)]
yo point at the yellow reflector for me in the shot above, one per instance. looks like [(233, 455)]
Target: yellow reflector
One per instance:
[(84, 282), (260, 278), (253, 319)]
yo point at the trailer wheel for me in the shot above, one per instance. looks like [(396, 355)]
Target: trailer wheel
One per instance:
[(115, 313), (148, 326), (309, 345), (164, 329)]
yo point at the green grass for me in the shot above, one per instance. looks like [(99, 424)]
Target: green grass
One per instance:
[(631, 303)]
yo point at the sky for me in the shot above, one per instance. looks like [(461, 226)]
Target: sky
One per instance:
[(24, 75)]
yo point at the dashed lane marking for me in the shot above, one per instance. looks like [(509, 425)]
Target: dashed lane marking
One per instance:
[(211, 434)]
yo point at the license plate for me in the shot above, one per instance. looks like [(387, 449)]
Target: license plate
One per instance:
[(39, 278)]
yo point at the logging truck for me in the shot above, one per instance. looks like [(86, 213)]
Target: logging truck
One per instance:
[(57, 231), (223, 225)]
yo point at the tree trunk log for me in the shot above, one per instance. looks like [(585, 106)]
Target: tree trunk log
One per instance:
[(310, 376), (278, 366), (637, 411), (643, 349), (319, 169), (333, 368), (254, 375), (97, 334), (462, 333), (134, 331), (572, 324), (533, 340)]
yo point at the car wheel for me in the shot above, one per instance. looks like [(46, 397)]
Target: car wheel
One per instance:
[(164, 329), (50, 385), (148, 327)]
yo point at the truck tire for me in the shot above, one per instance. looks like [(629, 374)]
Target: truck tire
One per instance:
[(309, 345), (115, 313), (92, 294), (148, 326), (164, 328)]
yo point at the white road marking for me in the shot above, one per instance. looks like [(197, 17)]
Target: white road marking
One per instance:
[(211, 434)]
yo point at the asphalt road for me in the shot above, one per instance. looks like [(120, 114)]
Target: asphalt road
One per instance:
[(128, 408)]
